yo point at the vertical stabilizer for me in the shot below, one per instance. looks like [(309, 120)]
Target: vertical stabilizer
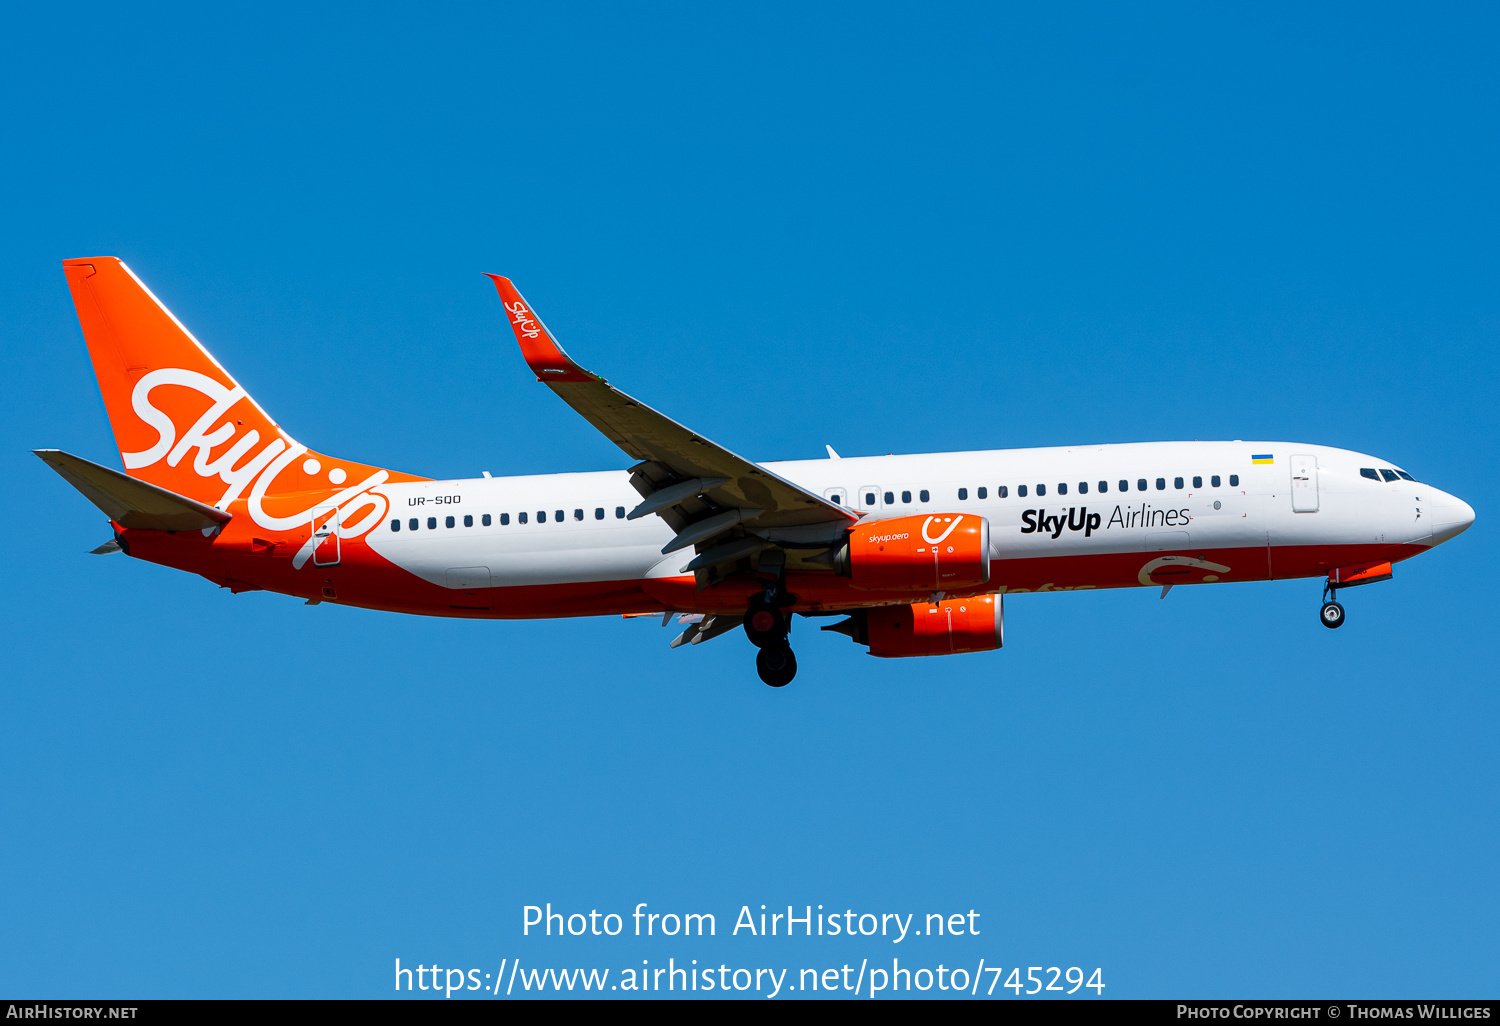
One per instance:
[(180, 420)]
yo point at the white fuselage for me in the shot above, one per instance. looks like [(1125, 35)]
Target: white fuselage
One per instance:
[(571, 528)]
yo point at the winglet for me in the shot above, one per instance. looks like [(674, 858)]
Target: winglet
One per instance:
[(543, 355)]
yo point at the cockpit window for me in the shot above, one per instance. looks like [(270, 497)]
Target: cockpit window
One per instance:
[(1406, 477), (1369, 472), (1389, 475)]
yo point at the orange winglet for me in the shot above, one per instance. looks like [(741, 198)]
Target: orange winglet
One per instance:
[(543, 355)]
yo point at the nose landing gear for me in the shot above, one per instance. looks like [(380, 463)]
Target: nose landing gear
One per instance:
[(1331, 615)]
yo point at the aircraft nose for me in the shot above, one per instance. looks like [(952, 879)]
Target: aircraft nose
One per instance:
[(1451, 517)]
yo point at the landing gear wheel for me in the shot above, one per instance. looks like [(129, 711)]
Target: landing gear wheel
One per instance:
[(776, 665), (765, 625), (1332, 615)]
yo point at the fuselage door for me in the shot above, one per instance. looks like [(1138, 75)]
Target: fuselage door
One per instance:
[(1304, 483), (325, 529), (867, 498), (839, 497)]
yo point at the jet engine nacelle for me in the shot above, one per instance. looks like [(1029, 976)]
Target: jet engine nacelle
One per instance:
[(942, 552), (949, 627)]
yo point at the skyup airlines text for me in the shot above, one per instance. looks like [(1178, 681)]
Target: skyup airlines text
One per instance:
[(1078, 518)]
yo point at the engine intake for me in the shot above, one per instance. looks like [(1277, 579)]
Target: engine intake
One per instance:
[(942, 552)]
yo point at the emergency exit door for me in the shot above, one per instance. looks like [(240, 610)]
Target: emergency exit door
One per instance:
[(1304, 483)]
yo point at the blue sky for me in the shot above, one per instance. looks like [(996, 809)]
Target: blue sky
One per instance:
[(891, 229)]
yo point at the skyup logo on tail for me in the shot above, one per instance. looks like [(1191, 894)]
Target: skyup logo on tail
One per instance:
[(240, 467)]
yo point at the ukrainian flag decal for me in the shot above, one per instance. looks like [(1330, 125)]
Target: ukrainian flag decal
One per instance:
[(1264, 458)]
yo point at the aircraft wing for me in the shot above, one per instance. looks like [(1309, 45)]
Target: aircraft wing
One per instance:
[(700, 488)]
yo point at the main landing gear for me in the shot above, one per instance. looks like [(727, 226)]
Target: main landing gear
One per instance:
[(767, 623), (776, 665)]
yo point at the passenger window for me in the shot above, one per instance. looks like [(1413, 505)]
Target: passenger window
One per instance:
[(619, 512), (1021, 491), (983, 493), (1103, 486), (599, 513), (1214, 480), (1234, 480), (468, 520), (869, 498), (432, 523), (485, 520), (395, 525), (1124, 486), (1389, 475), (1406, 477), (541, 516), (924, 496), (1176, 482), (1003, 491), (505, 519), (906, 498), (558, 517), (1062, 488), (448, 522), (837, 500), (890, 498), (578, 514), (1083, 487), (1161, 484), (520, 518), (1140, 485), (1197, 482), (963, 493)]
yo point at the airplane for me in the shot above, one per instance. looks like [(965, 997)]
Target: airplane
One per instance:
[(916, 552)]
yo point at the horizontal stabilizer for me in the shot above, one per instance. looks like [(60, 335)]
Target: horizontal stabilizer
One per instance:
[(129, 502)]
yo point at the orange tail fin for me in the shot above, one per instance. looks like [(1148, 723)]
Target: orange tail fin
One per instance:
[(181, 422)]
